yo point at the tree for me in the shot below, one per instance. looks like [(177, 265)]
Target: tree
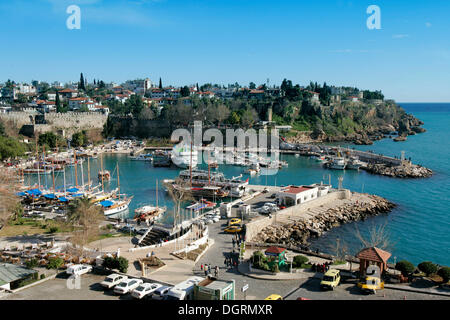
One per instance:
[(160, 83), (252, 85), (249, 117), (59, 108), (10, 148), (79, 139), (185, 91), (299, 260), (134, 105), (81, 84), (21, 98), (8, 198), (234, 118), (405, 267), (377, 237), (49, 138), (444, 272), (2, 129), (428, 267), (222, 113), (85, 217)]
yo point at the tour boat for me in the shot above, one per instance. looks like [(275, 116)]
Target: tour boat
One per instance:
[(337, 163), (112, 207), (148, 213), (196, 177), (141, 157), (354, 163), (161, 159)]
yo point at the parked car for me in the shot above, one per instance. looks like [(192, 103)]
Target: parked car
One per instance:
[(234, 221), (127, 285), (159, 293), (330, 279), (142, 231), (233, 229), (274, 297), (145, 289), (112, 280), (79, 269)]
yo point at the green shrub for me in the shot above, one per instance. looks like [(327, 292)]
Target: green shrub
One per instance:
[(299, 261), (258, 259), (32, 263), (444, 272), (428, 267), (122, 264), (405, 267), (275, 268), (54, 229), (55, 263), (42, 276)]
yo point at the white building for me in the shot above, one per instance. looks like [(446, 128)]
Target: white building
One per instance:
[(293, 195)]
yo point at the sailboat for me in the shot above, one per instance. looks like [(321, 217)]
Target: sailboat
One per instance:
[(150, 213), (115, 206)]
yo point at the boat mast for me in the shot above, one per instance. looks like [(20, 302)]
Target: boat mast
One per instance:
[(37, 157), (53, 175), (101, 170), (82, 174), (156, 193), (64, 177), (190, 167), (118, 178), (89, 176), (75, 163)]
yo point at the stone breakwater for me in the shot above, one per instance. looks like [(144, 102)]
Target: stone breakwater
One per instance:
[(402, 171), (299, 232)]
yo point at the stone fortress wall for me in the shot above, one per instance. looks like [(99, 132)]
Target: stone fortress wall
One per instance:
[(65, 123)]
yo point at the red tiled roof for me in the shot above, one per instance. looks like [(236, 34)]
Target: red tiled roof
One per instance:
[(275, 250), (295, 190), (373, 254), (67, 90)]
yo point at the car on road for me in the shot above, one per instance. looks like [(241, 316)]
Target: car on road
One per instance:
[(112, 280), (371, 284), (142, 231), (159, 293), (127, 285), (274, 297), (145, 289), (233, 229), (234, 221), (79, 269), (330, 279)]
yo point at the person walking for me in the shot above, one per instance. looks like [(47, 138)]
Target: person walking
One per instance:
[(216, 272), (233, 241)]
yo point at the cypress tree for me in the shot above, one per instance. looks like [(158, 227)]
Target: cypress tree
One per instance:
[(160, 83), (81, 84)]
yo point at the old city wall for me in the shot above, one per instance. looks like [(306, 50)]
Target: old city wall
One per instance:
[(65, 123)]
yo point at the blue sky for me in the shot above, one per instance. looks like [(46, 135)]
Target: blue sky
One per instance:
[(214, 41)]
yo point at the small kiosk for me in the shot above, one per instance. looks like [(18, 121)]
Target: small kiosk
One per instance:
[(276, 256)]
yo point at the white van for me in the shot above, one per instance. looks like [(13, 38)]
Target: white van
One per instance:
[(183, 290), (79, 269)]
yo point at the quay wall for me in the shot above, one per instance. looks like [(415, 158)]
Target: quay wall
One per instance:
[(254, 227)]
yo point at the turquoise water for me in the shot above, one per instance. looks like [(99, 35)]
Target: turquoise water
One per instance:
[(419, 227)]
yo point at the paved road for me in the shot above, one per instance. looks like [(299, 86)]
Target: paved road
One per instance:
[(258, 289), (348, 291)]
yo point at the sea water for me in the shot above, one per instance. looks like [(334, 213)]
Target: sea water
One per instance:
[(418, 228)]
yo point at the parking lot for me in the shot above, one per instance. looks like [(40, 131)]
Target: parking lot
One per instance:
[(63, 288)]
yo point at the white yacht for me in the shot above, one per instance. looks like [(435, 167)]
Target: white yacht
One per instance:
[(184, 156), (354, 163), (142, 157), (112, 207), (337, 163)]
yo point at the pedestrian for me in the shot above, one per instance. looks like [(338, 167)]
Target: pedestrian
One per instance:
[(216, 272), (225, 262), (201, 267), (232, 240)]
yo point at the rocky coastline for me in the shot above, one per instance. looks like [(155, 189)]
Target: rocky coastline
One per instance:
[(397, 131), (402, 171), (299, 232)]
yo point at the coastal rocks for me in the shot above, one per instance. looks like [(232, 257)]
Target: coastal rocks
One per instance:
[(401, 171), (400, 138), (418, 129), (299, 232)]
